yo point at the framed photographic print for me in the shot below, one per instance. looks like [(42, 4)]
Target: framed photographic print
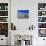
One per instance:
[(23, 14)]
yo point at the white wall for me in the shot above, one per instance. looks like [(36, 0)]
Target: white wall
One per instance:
[(32, 6), (23, 24)]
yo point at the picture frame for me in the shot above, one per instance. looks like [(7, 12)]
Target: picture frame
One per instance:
[(22, 14)]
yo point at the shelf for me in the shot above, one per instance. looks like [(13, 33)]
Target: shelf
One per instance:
[(3, 22), (3, 10), (4, 19), (3, 16), (42, 16), (41, 28), (41, 10), (41, 22)]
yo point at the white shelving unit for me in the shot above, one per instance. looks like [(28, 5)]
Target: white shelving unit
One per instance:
[(4, 22), (4, 18), (3, 12), (42, 18)]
